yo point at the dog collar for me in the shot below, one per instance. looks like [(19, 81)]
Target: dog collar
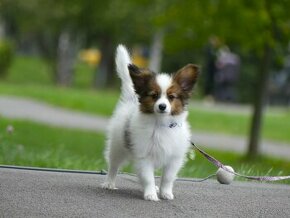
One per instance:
[(171, 125), (174, 124)]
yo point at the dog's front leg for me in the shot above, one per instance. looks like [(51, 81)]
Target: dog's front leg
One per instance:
[(145, 172), (168, 177)]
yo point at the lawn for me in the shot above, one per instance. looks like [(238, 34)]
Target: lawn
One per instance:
[(276, 126), (38, 145), (34, 70), (33, 144)]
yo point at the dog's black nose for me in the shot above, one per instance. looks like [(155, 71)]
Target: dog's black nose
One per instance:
[(162, 107)]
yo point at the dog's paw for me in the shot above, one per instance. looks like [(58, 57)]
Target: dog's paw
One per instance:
[(151, 197), (167, 195), (109, 186)]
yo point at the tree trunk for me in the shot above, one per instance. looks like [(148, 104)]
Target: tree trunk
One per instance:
[(66, 53), (156, 51), (259, 104), (104, 74), (2, 29)]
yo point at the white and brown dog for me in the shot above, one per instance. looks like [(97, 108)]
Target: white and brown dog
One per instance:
[(149, 125)]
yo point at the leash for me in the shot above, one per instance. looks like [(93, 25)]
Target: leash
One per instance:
[(230, 171)]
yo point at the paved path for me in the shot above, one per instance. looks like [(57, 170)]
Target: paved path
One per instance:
[(25, 193), (21, 108)]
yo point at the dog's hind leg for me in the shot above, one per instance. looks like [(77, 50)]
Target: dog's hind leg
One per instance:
[(115, 158)]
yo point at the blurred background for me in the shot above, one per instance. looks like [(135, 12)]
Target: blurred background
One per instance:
[(60, 55)]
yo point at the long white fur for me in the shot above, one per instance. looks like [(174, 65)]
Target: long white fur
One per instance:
[(154, 144), (122, 61)]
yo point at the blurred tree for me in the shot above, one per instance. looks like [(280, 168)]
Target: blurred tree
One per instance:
[(52, 26), (123, 21), (58, 28), (258, 27), (6, 56), (272, 32), (156, 51), (96, 24)]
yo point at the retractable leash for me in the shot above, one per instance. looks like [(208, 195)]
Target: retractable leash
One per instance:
[(226, 174)]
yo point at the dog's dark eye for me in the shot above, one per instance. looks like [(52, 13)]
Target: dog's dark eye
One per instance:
[(154, 96), (171, 97)]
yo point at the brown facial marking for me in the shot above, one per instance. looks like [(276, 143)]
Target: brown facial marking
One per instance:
[(176, 100), (146, 87)]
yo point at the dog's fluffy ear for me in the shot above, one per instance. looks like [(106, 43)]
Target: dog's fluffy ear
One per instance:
[(186, 77), (140, 78)]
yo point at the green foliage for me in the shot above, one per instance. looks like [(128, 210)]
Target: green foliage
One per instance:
[(6, 56), (245, 25), (188, 24), (248, 80)]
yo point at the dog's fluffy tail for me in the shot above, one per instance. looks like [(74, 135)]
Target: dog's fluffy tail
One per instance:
[(122, 61)]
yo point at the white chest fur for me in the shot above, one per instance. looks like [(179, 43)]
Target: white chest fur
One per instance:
[(159, 140)]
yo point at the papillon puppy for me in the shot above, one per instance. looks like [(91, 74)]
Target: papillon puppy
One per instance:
[(149, 125)]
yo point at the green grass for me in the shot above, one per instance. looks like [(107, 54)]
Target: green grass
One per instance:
[(276, 126), (29, 70), (84, 76), (37, 145), (234, 124), (35, 70), (33, 144), (261, 166)]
